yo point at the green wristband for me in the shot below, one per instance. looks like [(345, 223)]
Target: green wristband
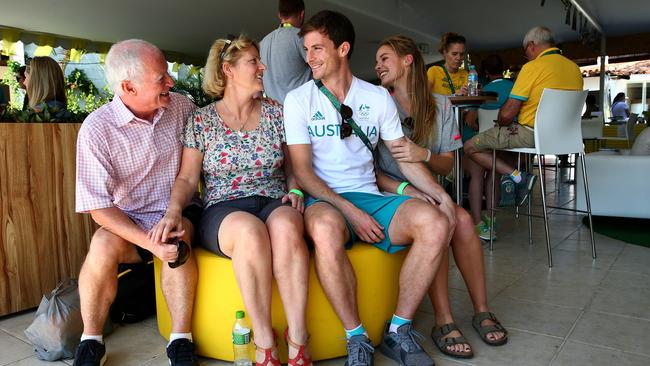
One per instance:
[(400, 189), (297, 192)]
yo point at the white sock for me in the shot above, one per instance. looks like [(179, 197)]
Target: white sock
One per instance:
[(516, 176), (175, 336), (98, 338)]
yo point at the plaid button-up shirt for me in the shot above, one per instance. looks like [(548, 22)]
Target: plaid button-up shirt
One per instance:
[(128, 162)]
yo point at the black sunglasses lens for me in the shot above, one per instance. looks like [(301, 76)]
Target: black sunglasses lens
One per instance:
[(346, 112), (183, 254), (346, 130)]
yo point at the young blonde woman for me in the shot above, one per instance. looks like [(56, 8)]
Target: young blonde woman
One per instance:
[(45, 84), (429, 123), (253, 207)]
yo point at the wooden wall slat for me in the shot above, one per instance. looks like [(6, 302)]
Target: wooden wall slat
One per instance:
[(42, 239)]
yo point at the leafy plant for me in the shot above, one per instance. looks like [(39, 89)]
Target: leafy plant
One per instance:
[(48, 114), (192, 87), (9, 78), (83, 96)]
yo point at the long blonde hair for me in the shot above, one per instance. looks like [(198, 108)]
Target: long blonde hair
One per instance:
[(214, 81), (46, 81), (423, 104)]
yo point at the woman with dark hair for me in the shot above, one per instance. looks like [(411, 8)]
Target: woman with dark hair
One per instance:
[(45, 84), (430, 125), (253, 207), (447, 78)]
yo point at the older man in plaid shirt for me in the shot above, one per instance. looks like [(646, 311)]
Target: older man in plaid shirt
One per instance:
[(128, 155)]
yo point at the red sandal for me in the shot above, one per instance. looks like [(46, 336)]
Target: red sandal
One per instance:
[(300, 357), (269, 360)]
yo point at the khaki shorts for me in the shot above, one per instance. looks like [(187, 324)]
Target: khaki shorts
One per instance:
[(505, 137)]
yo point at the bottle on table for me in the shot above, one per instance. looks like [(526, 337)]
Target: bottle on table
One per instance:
[(472, 82), (241, 340)]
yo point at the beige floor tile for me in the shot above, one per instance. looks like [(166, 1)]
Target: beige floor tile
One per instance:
[(534, 317), (567, 273), (578, 354), (33, 361), (633, 302), (16, 324), (134, 344), (13, 349), (619, 279), (622, 333), (551, 292), (635, 259), (522, 349)]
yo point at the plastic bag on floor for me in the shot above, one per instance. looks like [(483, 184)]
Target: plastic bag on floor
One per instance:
[(57, 324)]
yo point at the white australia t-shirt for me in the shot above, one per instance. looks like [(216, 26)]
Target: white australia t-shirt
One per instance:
[(345, 165)]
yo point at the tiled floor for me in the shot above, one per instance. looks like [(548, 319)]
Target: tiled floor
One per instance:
[(581, 312)]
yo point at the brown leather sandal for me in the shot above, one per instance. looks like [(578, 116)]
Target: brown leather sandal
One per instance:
[(300, 357), (484, 330), (443, 342)]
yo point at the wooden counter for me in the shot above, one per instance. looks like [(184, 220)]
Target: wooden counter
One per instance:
[(42, 239)]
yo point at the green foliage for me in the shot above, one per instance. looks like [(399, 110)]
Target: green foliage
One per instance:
[(9, 78), (48, 114), (83, 96), (192, 87)]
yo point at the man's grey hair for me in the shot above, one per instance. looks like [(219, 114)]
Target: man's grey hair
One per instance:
[(124, 61), (540, 36)]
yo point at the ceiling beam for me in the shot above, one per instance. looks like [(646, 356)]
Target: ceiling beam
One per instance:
[(589, 17)]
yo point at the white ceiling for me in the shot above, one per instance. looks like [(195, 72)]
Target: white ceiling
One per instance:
[(190, 26)]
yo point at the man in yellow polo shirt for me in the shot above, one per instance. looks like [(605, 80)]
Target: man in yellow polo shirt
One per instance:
[(547, 68)]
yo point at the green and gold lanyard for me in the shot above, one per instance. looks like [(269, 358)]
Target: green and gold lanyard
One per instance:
[(350, 121)]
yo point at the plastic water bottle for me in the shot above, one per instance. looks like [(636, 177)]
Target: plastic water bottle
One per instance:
[(472, 82), (241, 340)]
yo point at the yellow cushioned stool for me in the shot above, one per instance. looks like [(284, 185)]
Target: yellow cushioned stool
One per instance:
[(218, 297)]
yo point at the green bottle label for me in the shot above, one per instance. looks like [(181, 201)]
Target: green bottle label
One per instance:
[(241, 337)]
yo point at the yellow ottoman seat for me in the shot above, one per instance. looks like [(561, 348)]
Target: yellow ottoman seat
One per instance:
[(218, 297)]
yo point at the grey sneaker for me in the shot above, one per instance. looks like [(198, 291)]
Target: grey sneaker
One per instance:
[(524, 187), (360, 351), (403, 348), (507, 191)]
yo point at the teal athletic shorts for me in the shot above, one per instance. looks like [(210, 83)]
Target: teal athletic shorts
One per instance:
[(381, 208)]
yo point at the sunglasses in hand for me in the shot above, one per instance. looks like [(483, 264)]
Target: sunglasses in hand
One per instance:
[(183, 253)]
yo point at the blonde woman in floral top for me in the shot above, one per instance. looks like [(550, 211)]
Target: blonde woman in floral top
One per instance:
[(253, 207)]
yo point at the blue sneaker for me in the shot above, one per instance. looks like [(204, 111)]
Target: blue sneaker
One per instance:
[(525, 187), (508, 194), (360, 351), (403, 348)]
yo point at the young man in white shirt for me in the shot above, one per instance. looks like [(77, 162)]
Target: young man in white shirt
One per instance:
[(334, 164)]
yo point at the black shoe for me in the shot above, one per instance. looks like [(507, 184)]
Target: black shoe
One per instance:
[(181, 353), (90, 353)]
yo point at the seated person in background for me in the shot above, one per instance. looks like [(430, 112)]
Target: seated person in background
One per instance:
[(547, 68), (128, 153), (478, 185), (45, 85), (591, 105), (641, 144), (446, 77), (20, 78), (620, 110), (430, 128), (253, 208), (336, 167)]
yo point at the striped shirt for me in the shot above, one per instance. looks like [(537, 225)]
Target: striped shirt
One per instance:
[(130, 163)]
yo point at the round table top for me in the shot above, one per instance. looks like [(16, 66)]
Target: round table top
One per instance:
[(471, 100)]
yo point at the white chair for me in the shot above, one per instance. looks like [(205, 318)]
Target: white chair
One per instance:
[(626, 131), (557, 131)]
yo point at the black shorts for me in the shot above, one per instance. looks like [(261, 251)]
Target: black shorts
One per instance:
[(191, 212), (208, 230)]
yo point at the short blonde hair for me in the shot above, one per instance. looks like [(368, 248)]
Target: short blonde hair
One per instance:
[(214, 80), (46, 81)]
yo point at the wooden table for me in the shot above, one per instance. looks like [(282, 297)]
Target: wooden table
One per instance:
[(458, 103)]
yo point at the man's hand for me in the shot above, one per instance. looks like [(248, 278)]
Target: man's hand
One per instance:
[(364, 225), (408, 151), (297, 202), (462, 91), (170, 226), (165, 252)]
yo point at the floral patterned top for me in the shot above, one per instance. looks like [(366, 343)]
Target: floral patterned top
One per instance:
[(239, 164)]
